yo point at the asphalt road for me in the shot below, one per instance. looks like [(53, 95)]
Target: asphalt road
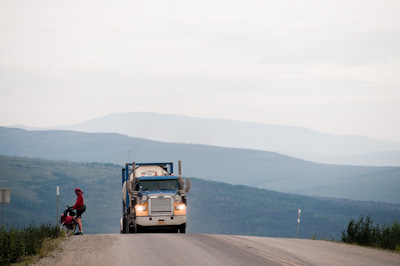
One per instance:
[(201, 249)]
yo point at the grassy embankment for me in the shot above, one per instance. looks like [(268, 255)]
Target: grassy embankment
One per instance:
[(364, 233), (28, 244)]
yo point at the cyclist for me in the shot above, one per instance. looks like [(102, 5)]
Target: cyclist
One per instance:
[(80, 208)]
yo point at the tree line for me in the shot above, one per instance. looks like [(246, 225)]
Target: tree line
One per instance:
[(363, 232)]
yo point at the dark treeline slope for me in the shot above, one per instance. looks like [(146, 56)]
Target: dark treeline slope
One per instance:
[(260, 169), (214, 207)]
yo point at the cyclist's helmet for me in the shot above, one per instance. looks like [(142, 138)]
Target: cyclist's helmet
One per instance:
[(78, 191)]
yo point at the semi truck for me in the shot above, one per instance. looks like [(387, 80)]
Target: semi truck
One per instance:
[(153, 198)]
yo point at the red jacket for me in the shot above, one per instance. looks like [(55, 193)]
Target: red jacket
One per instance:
[(79, 202)]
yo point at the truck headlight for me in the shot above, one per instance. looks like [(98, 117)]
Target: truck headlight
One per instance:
[(141, 208), (144, 198), (180, 207)]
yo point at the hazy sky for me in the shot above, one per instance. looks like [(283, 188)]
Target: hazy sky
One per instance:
[(332, 66)]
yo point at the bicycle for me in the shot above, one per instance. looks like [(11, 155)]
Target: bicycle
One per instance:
[(68, 221)]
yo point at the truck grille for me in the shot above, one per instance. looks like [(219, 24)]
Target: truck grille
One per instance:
[(160, 206)]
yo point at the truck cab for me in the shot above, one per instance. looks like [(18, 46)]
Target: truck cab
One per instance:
[(154, 199)]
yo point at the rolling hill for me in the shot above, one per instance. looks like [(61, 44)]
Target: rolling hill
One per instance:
[(293, 141), (255, 168), (214, 207)]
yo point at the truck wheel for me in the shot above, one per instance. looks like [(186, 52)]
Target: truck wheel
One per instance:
[(127, 229), (123, 226), (139, 229), (132, 230), (182, 229)]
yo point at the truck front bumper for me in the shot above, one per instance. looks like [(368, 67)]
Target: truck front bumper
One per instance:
[(160, 220)]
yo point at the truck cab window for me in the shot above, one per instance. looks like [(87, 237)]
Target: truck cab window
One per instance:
[(158, 185), (168, 184), (148, 185)]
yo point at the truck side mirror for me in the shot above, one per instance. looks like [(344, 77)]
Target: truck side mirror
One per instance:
[(187, 185)]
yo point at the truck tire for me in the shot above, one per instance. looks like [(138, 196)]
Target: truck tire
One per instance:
[(139, 229), (132, 230), (182, 228), (123, 226), (127, 229)]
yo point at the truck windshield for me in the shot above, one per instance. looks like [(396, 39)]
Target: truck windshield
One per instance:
[(158, 184)]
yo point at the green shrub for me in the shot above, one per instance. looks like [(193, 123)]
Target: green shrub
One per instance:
[(391, 236), (15, 243), (364, 233)]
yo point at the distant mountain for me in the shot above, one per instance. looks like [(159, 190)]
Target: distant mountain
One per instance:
[(289, 140), (256, 168), (381, 158), (213, 207)]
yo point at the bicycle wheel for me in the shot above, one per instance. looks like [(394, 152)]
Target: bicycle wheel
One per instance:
[(69, 229), (62, 227), (72, 228)]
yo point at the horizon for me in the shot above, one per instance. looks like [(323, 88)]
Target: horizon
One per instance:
[(187, 116)]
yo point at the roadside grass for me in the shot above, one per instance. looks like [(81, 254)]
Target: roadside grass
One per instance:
[(48, 246), (26, 245), (395, 250), (364, 233)]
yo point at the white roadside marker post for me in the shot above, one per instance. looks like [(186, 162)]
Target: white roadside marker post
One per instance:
[(58, 201), (298, 224)]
